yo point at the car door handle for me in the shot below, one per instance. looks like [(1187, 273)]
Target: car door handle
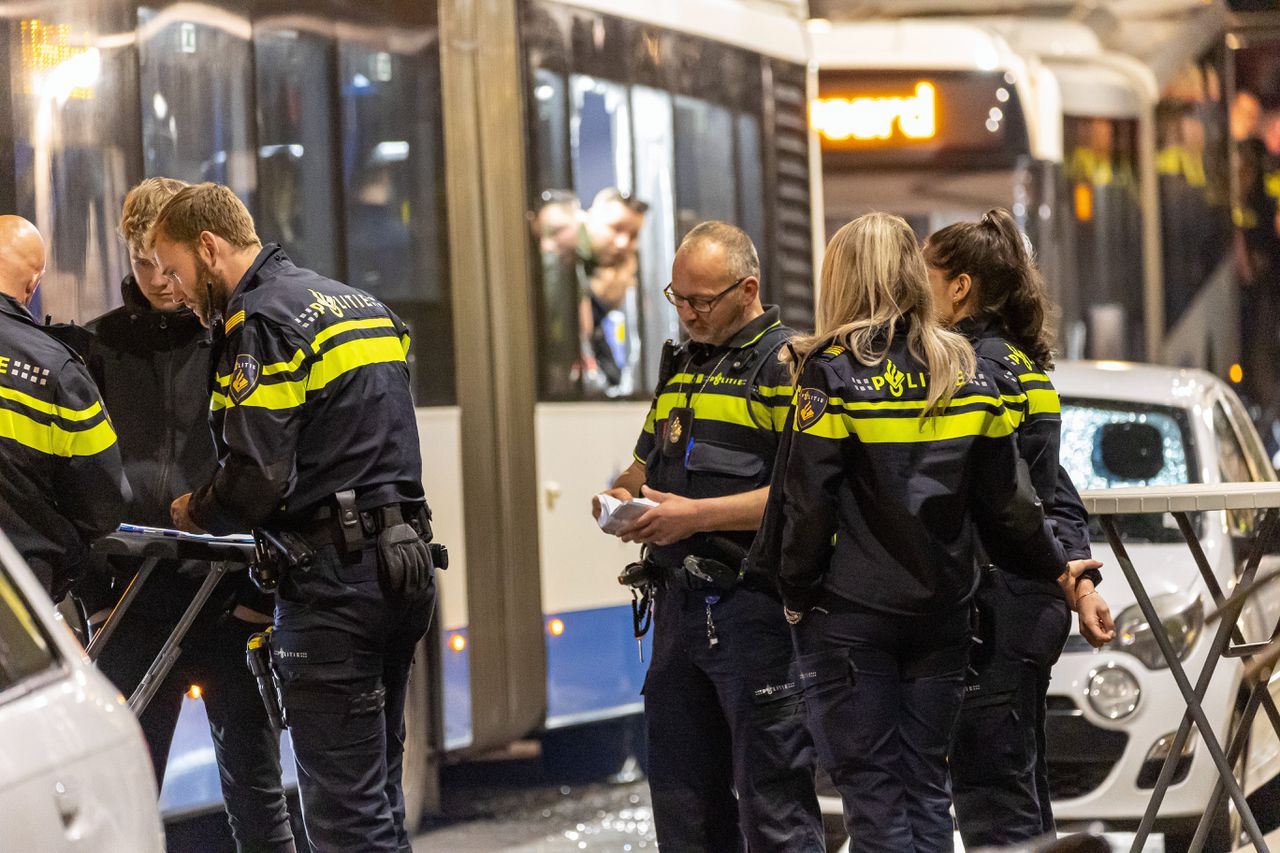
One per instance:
[(67, 802)]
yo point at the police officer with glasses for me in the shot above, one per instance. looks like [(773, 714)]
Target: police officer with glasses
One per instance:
[(730, 761)]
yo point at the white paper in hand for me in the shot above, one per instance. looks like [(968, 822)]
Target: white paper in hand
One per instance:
[(616, 514)]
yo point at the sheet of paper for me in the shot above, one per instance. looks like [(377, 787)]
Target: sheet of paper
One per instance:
[(616, 514)]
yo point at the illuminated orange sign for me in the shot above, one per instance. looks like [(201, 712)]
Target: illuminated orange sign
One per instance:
[(869, 118), (44, 48)]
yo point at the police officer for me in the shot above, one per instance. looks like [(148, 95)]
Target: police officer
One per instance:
[(870, 530), (61, 482), (729, 758), (151, 360), (607, 268), (318, 446), (985, 284)]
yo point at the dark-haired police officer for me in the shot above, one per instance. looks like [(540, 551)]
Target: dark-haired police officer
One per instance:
[(318, 447), (61, 481), (730, 759)]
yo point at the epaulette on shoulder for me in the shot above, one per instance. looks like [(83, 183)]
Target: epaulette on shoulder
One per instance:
[(832, 352)]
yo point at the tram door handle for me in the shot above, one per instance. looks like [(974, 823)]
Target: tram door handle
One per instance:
[(551, 490)]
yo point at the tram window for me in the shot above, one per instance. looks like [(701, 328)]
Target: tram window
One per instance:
[(68, 130), (197, 100), (393, 174), (296, 191), (704, 155), (1105, 219), (655, 158), (608, 265), (551, 116), (24, 650), (750, 172), (1193, 180)]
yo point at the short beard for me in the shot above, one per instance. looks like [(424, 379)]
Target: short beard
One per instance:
[(211, 295)]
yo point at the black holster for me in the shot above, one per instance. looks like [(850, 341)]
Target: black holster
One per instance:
[(262, 665)]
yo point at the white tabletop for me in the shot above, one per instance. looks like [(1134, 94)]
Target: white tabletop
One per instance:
[(1186, 498)]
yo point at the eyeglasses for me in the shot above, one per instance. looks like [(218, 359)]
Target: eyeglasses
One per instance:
[(700, 304)]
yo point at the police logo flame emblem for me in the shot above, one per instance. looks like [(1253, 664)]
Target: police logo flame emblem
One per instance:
[(244, 378), (810, 406), (675, 429)]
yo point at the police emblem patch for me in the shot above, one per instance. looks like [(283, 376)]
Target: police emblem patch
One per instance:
[(244, 378), (810, 406)]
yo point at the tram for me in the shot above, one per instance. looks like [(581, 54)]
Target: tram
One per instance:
[(419, 151)]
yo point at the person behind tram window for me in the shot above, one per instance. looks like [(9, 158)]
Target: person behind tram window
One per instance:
[(61, 481), (318, 448), (608, 269), (730, 760), (987, 288), (900, 450), (152, 359)]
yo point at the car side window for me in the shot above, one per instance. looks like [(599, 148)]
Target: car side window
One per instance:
[(1233, 465), (24, 649)]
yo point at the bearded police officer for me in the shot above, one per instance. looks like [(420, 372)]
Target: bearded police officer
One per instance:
[(61, 481), (318, 447), (730, 760)]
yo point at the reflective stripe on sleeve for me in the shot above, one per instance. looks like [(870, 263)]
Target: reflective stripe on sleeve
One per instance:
[(351, 355), (53, 440)]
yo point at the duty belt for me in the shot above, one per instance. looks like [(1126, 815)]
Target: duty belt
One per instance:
[(350, 529)]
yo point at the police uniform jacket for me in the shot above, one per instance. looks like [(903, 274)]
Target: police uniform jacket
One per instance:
[(310, 397), (61, 482), (738, 394), (876, 505), (1033, 404)]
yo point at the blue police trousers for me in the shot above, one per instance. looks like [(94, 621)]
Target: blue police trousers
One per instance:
[(730, 760), (998, 769), (343, 651), (882, 693)]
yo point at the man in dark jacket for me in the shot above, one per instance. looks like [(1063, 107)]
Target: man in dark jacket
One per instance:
[(152, 358), (60, 479)]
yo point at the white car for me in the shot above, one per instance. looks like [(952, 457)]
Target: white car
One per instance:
[(1113, 712), (74, 769)]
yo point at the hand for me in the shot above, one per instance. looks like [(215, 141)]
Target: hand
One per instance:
[(1096, 624), (1070, 579), (180, 512), (673, 519), (617, 492)]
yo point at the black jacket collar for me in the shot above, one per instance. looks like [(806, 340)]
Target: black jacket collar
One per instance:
[(13, 308)]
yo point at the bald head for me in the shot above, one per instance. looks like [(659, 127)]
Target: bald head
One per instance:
[(21, 258)]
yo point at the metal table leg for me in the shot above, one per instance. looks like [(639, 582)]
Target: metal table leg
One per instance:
[(1193, 697), (164, 661), (100, 637)]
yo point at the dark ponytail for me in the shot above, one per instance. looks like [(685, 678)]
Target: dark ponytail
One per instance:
[(1007, 285)]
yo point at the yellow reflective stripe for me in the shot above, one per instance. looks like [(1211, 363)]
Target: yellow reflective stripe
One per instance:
[(830, 425), (775, 390), (232, 322), (276, 396), (725, 408), (53, 440), (1033, 377), (73, 415), (217, 401), (347, 326), (909, 405), (405, 342), (637, 457), (650, 420), (282, 366), (1043, 401), (353, 354), (941, 428), (224, 380), (773, 326)]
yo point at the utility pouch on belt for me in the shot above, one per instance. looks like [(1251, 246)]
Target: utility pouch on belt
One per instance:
[(275, 555), (404, 558), (713, 572), (258, 656)]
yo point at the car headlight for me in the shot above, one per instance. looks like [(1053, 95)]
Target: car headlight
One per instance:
[(1183, 620), (1113, 692)]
